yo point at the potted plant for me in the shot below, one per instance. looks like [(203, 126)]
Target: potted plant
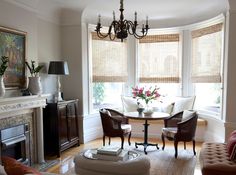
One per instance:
[(34, 85), (3, 67)]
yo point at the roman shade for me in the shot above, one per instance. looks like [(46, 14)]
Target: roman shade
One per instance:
[(159, 59), (207, 54), (109, 60)]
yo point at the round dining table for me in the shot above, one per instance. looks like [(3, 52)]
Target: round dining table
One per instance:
[(142, 116)]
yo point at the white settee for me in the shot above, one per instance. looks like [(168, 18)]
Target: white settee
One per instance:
[(171, 105)]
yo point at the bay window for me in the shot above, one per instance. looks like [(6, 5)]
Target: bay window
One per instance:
[(158, 61)]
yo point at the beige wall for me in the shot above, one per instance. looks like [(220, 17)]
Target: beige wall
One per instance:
[(49, 48), (43, 38)]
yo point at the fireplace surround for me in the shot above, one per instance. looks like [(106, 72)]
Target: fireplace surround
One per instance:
[(25, 111)]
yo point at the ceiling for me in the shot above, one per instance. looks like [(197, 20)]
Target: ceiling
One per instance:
[(163, 11)]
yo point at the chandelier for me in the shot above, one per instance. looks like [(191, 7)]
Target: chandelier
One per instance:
[(121, 28)]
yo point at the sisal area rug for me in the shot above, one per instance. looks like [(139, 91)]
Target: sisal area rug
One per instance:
[(164, 162)]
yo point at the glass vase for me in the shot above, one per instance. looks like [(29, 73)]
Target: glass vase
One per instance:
[(148, 109)]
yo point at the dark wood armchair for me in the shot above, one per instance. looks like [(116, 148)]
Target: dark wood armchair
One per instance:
[(180, 129), (114, 124)]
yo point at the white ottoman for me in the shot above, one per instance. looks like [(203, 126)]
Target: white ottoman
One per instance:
[(138, 166)]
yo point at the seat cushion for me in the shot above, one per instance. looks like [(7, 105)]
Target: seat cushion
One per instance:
[(169, 132), (126, 128), (13, 167)]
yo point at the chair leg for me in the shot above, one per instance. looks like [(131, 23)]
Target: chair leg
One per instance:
[(129, 138), (184, 145), (122, 142), (194, 147), (163, 141), (109, 140), (103, 140), (176, 148)]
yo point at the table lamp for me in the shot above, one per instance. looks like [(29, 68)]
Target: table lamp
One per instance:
[(58, 68)]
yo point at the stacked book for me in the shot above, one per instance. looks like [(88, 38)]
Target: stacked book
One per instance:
[(111, 153)]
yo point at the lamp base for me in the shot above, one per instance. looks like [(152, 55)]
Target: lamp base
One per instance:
[(58, 97)]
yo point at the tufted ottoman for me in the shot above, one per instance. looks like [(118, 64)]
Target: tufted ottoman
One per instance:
[(137, 166), (214, 160)]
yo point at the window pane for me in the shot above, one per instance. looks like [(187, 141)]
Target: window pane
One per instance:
[(208, 96), (107, 95)]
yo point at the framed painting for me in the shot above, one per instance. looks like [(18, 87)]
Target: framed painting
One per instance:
[(13, 45)]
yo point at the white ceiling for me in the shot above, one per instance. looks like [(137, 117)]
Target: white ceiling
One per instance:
[(184, 11)]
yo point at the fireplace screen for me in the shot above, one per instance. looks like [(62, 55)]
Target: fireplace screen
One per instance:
[(15, 143)]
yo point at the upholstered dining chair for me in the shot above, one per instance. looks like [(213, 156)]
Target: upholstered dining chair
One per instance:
[(114, 124), (180, 127)]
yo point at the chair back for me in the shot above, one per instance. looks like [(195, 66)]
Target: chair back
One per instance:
[(187, 128), (110, 126)]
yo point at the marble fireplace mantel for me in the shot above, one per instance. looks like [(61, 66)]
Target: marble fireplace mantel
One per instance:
[(13, 106)]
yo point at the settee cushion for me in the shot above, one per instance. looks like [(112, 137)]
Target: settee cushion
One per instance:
[(183, 103), (214, 160), (13, 167), (129, 104)]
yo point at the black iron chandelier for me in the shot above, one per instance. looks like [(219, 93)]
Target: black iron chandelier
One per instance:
[(121, 28)]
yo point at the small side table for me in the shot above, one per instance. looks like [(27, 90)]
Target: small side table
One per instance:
[(153, 116)]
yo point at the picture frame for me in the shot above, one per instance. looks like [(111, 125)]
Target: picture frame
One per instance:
[(13, 45)]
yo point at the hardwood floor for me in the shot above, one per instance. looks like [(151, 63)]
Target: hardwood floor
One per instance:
[(66, 159)]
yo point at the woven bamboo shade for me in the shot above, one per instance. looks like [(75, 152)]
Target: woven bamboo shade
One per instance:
[(206, 54), (159, 59), (109, 60)]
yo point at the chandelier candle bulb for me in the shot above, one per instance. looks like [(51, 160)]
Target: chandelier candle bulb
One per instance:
[(114, 16), (146, 20), (121, 4), (99, 19), (135, 16)]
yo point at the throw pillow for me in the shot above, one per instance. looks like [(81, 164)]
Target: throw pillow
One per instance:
[(183, 103), (231, 148), (187, 114), (167, 107), (2, 170), (104, 111), (129, 104), (13, 167)]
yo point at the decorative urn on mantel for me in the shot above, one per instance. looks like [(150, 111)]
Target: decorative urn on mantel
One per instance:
[(34, 85), (3, 67)]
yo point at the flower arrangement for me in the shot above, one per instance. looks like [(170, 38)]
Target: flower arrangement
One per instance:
[(33, 70), (146, 94)]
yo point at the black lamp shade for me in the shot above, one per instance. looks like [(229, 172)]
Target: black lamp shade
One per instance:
[(58, 68)]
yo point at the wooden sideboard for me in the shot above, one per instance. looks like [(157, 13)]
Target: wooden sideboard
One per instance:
[(60, 126)]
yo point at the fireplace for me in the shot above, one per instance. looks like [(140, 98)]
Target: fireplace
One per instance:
[(15, 143), (24, 115)]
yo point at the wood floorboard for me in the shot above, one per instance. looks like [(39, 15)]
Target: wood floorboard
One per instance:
[(66, 159)]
